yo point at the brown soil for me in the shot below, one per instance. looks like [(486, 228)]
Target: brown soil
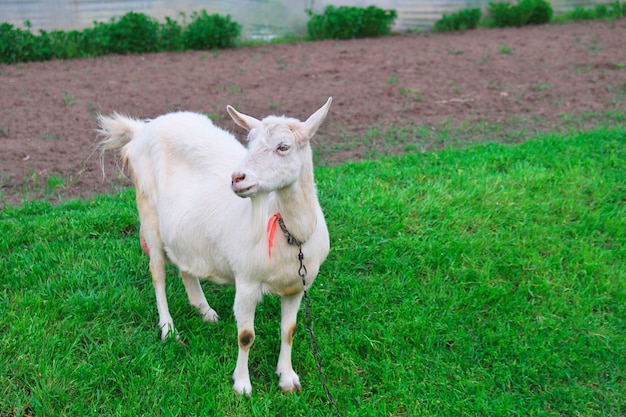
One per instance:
[(47, 109)]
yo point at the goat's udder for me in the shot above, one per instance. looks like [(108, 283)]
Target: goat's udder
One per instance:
[(144, 245)]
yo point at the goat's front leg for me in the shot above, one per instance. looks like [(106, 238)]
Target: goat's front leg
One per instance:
[(289, 380), (246, 300)]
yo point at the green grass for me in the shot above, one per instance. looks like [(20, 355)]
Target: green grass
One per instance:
[(489, 280), (378, 141)]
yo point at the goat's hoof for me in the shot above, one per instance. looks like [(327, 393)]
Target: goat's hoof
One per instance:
[(167, 331), (210, 315), (243, 387), (289, 382)]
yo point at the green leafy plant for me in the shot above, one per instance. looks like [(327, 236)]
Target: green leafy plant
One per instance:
[(613, 10), (525, 12), (72, 44), (581, 13), (21, 45), (211, 31), (462, 20), (347, 22), (171, 36), (130, 34)]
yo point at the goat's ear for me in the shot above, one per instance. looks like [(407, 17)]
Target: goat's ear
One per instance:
[(243, 120), (310, 126)]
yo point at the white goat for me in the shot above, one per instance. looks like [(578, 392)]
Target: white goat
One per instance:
[(212, 209)]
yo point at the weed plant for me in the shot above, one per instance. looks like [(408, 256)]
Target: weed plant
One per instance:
[(483, 281), (348, 22)]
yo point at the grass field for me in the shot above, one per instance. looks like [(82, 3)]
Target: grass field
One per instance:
[(487, 281)]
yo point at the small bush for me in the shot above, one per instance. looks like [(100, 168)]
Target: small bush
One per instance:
[(133, 33), (580, 13), (462, 20), (347, 22), (613, 10), (525, 12), (617, 10), (67, 45), (18, 45), (211, 31), (171, 36), (602, 11)]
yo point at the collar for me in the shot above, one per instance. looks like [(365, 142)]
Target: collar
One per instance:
[(277, 219)]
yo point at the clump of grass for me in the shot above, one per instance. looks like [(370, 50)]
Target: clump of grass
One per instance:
[(541, 87), (49, 136), (413, 93), (216, 116), (233, 88), (53, 182), (505, 50), (68, 99)]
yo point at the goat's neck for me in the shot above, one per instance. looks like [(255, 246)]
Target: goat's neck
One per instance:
[(297, 204)]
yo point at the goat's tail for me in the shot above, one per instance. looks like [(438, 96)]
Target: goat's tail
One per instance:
[(117, 130)]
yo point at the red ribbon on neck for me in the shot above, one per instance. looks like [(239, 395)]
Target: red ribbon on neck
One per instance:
[(271, 230)]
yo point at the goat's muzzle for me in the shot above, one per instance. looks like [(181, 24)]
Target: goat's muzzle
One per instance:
[(237, 177), (239, 187)]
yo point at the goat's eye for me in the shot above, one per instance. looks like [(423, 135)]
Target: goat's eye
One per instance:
[(283, 147)]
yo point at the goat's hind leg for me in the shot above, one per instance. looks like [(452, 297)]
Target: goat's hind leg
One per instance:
[(152, 239), (157, 268), (197, 297)]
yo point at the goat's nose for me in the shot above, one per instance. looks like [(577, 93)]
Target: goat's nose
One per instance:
[(238, 177)]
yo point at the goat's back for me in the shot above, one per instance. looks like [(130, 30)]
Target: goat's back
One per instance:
[(184, 140)]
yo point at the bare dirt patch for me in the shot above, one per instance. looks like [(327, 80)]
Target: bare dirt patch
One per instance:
[(532, 75)]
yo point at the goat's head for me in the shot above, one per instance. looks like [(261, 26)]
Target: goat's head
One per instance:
[(277, 149)]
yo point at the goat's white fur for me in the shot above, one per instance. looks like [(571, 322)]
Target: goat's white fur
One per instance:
[(190, 177)]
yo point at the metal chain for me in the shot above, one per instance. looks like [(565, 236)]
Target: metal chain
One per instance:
[(315, 348)]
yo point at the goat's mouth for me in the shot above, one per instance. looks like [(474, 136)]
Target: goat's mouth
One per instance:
[(244, 191)]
